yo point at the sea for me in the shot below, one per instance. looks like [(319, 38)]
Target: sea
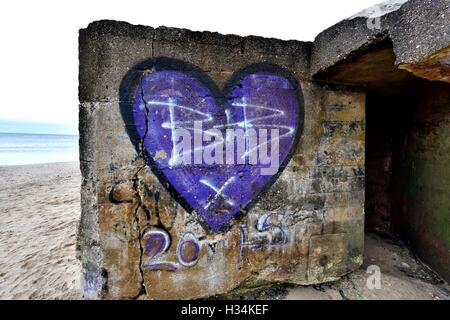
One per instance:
[(27, 148)]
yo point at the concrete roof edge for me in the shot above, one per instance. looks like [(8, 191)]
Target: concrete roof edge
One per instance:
[(417, 29)]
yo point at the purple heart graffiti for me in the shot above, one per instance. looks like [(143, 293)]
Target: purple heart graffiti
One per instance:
[(216, 151)]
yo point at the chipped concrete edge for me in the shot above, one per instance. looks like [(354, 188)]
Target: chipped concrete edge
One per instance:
[(417, 30)]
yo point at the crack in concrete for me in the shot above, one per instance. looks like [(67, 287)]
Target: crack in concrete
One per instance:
[(143, 289)]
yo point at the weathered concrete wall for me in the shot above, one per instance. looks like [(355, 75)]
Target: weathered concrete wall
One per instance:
[(138, 236), (421, 188)]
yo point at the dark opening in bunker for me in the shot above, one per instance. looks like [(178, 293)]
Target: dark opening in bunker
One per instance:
[(407, 150)]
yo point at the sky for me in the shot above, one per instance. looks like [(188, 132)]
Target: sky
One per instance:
[(39, 51)]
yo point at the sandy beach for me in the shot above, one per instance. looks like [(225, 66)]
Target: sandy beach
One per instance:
[(39, 211)]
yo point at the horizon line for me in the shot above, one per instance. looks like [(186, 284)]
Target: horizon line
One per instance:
[(41, 133)]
